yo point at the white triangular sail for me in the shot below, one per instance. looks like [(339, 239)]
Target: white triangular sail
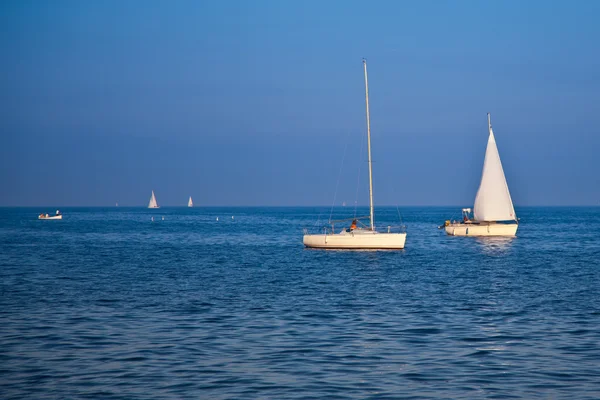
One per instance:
[(153, 203), (190, 202), (493, 202)]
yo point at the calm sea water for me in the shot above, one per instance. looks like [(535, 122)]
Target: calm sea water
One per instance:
[(108, 304)]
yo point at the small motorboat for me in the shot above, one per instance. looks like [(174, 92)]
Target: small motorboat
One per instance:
[(58, 215)]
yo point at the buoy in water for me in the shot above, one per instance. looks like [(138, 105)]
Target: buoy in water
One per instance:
[(217, 218)]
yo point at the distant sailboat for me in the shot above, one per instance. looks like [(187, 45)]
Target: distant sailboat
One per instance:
[(58, 215), (359, 237), (190, 202), (493, 212), (153, 203)]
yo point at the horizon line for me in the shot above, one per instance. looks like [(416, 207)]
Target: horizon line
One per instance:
[(282, 206)]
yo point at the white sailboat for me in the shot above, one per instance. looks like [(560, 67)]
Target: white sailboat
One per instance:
[(190, 202), (493, 211), (359, 237), (153, 203)]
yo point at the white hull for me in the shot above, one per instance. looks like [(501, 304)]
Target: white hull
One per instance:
[(356, 240), (50, 217), (491, 229)]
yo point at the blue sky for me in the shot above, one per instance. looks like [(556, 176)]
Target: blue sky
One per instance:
[(262, 102)]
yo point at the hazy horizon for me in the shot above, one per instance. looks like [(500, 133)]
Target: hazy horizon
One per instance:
[(262, 103)]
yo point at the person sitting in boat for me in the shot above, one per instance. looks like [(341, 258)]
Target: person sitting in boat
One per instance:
[(466, 212), (352, 226)]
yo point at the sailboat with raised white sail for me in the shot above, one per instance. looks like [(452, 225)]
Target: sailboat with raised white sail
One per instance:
[(356, 237), (153, 203), (190, 202), (493, 211)]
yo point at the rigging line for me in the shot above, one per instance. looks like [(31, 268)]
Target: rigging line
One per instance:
[(338, 179), (318, 218), (362, 140), (399, 215)]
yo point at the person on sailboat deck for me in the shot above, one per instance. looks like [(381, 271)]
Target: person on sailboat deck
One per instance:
[(352, 226), (466, 212)]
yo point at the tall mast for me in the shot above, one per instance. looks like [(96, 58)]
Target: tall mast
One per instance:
[(369, 146), (489, 124)]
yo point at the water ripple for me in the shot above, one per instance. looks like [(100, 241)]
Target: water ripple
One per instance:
[(108, 304)]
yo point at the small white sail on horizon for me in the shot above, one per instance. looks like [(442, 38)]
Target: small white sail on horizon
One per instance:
[(190, 202), (153, 203)]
